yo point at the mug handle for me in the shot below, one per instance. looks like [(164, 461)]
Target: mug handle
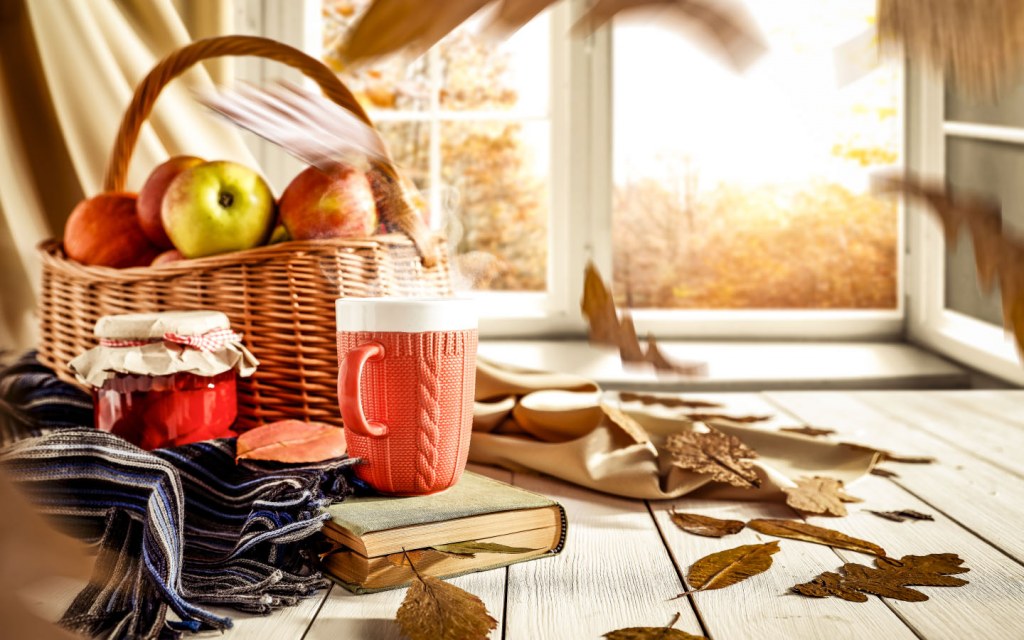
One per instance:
[(350, 376)]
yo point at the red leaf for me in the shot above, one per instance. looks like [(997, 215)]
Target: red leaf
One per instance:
[(292, 441)]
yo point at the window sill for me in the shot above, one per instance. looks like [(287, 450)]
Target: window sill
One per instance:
[(745, 366)]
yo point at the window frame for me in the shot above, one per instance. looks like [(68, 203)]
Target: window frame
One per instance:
[(979, 344), (581, 186)]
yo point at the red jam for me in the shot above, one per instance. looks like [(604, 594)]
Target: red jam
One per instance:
[(154, 412)]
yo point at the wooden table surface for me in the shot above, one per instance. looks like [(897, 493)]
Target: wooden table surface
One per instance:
[(624, 559)]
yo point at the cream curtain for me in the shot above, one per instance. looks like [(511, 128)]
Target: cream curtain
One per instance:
[(67, 72)]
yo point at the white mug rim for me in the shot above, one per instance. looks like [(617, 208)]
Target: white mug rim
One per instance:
[(405, 315)]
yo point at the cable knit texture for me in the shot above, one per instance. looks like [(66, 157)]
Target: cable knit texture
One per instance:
[(422, 389)]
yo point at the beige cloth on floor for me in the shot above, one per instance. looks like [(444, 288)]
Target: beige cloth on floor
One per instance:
[(522, 422)]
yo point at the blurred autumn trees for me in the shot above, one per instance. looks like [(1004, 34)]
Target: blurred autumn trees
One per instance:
[(496, 204), (676, 243)]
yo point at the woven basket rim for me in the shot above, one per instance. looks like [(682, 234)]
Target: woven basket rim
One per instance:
[(52, 253)]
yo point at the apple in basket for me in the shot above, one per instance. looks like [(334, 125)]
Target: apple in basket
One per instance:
[(151, 195), (335, 204), (217, 207), (104, 231)]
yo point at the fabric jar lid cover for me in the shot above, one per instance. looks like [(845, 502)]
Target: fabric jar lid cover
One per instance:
[(137, 326)]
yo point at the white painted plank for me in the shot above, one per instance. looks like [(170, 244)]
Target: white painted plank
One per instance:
[(989, 607), (978, 495), (1005, 404), (959, 420), (372, 615), (768, 609), (614, 572)]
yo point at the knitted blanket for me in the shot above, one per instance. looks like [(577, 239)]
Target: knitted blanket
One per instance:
[(177, 529)]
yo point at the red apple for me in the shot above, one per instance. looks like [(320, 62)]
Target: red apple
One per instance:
[(104, 230), (339, 204), (167, 257), (152, 194)]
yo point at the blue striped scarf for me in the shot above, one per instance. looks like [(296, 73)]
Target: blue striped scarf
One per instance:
[(178, 528)]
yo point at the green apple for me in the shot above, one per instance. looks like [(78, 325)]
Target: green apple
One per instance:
[(217, 207)]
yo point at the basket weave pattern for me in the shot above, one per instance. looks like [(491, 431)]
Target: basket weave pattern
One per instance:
[(280, 297)]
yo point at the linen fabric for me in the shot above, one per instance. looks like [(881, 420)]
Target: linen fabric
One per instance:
[(625, 457)]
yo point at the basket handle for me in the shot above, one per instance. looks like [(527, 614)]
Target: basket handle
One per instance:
[(402, 216)]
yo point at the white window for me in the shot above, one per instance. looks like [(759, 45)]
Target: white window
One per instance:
[(719, 204), (977, 148)]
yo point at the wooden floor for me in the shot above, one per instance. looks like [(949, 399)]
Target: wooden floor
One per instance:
[(623, 559)]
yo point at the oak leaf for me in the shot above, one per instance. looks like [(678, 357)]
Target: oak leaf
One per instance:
[(819, 495), (723, 457), (890, 579), (705, 525), (666, 401), (436, 610), (797, 530), (809, 431), (711, 417), (470, 548), (901, 515), (652, 633), (291, 441), (726, 568)]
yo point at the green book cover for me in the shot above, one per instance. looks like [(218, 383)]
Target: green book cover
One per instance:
[(474, 495)]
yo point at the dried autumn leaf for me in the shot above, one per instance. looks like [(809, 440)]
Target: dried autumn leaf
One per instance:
[(902, 515), (723, 457), (436, 610), (889, 456), (711, 417), (889, 580), (291, 441), (652, 633), (819, 495), (605, 327), (407, 558), (666, 401), (797, 530), (809, 431), (705, 525), (471, 548), (726, 568), (884, 473)]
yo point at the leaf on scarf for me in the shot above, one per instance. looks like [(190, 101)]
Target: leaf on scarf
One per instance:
[(889, 456), (625, 422), (723, 457), (666, 401), (469, 549), (711, 417), (436, 610), (605, 327), (796, 530), (902, 515), (291, 441), (884, 473), (726, 568), (705, 525), (890, 579), (808, 431), (819, 495), (652, 633)]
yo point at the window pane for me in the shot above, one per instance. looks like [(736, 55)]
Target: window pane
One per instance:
[(994, 170), (497, 176), (1008, 111), (751, 192), (400, 82)]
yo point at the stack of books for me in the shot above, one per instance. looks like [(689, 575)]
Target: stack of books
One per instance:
[(376, 538)]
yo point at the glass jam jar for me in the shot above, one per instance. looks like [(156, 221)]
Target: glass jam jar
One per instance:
[(165, 379)]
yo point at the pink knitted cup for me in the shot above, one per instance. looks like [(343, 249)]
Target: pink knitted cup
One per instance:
[(407, 372)]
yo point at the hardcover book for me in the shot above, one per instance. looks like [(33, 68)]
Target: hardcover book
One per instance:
[(376, 537)]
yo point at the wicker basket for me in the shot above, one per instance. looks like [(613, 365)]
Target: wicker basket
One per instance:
[(281, 297)]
